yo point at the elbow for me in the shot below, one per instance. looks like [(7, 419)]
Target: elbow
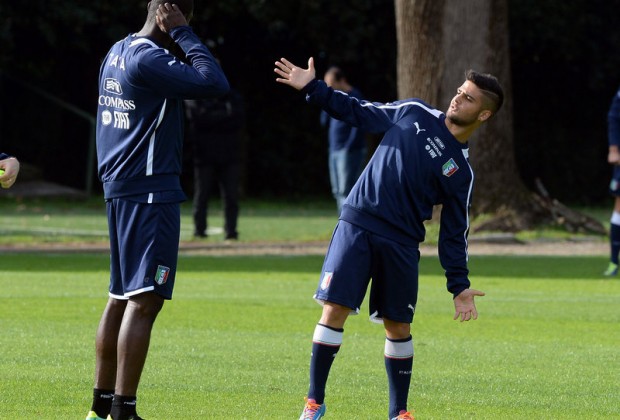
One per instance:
[(211, 88), (223, 87)]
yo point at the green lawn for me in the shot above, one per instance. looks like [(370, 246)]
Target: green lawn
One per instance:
[(235, 341), (30, 222), (36, 221)]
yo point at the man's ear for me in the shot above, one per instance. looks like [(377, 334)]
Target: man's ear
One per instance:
[(484, 115)]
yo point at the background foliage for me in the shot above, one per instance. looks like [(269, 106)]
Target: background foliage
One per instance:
[(564, 65)]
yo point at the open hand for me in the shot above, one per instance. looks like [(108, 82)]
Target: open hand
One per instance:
[(294, 76), (465, 306)]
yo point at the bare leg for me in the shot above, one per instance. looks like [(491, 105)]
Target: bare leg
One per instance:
[(133, 340), (334, 315), (617, 204), (107, 338)]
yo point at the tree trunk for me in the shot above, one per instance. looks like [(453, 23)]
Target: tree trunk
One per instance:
[(438, 41), (419, 55), (485, 49)]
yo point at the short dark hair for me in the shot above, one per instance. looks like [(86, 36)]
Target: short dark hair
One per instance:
[(490, 87), (186, 6), (337, 71)]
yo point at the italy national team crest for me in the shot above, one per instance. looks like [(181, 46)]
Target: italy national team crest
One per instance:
[(161, 276), (327, 279), (449, 168)]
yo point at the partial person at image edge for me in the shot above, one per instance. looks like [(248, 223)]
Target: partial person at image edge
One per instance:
[(10, 166)]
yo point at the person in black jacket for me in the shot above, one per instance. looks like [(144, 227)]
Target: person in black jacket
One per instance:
[(215, 131)]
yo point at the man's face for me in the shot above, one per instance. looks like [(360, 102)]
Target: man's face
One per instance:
[(331, 81), (466, 106)]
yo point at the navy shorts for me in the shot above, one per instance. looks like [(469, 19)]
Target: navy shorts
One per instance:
[(144, 247), (356, 255), (614, 185)]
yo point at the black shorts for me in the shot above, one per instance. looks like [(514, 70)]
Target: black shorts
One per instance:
[(144, 247), (356, 255)]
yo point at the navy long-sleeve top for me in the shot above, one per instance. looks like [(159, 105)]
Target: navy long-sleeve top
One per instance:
[(341, 135), (140, 115), (417, 165), (613, 121)]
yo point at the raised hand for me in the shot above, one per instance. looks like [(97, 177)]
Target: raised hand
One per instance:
[(294, 76), (169, 16)]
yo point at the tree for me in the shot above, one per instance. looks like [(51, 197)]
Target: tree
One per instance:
[(419, 51), (474, 34)]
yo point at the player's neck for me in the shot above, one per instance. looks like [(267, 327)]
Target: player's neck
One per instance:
[(460, 132), (152, 31)]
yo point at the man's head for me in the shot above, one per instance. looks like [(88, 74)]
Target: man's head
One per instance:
[(186, 7), (334, 77), (490, 87), (477, 100)]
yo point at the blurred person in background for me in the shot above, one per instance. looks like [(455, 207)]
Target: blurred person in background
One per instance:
[(215, 130), (347, 143)]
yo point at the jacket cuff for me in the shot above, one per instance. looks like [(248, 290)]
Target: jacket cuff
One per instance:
[(309, 87), (457, 286)]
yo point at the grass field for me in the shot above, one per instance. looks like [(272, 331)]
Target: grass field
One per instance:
[(235, 341), (44, 221)]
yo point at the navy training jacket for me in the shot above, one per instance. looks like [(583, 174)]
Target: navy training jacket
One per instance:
[(417, 165), (140, 113), (613, 121)]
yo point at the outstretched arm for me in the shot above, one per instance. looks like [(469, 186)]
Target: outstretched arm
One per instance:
[(294, 76), (464, 305)]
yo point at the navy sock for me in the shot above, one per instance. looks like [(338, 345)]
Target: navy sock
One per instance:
[(102, 402), (123, 407), (614, 239), (325, 345), (398, 365)]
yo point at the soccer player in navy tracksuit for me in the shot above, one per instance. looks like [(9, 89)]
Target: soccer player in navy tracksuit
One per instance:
[(10, 166), (139, 143), (613, 158), (421, 161)]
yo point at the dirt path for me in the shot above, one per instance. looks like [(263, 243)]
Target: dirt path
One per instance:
[(594, 247), (476, 247)]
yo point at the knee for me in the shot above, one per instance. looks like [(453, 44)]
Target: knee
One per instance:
[(396, 330), (146, 305), (334, 315)]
